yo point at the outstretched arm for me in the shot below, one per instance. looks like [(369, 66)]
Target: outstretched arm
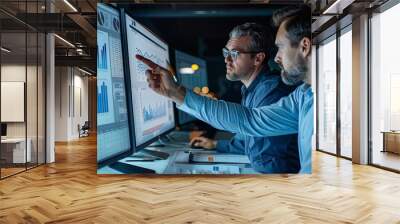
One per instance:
[(280, 118)]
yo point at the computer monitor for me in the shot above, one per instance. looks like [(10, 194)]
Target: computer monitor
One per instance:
[(153, 114), (113, 126), (3, 130), (191, 72)]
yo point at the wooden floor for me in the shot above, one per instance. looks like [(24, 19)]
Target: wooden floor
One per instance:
[(387, 159), (69, 191), (10, 171), (5, 172)]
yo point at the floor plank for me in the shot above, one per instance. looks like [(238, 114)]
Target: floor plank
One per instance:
[(70, 191)]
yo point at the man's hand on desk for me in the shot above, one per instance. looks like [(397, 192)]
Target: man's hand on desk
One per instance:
[(203, 142), (161, 80)]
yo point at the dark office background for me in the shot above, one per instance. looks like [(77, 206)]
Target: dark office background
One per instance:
[(202, 30)]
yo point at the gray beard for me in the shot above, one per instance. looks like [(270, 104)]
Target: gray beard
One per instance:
[(232, 77), (296, 75), (293, 78)]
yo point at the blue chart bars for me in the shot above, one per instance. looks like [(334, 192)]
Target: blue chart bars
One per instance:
[(102, 57), (102, 99), (154, 112)]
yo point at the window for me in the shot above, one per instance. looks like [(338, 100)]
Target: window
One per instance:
[(22, 75), (346, 92), (327, 95), (385, 88)]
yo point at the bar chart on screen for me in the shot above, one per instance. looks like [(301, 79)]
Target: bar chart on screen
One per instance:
[(101, 57), (102, 99), (154, 110), (105, 105), (102, 50)]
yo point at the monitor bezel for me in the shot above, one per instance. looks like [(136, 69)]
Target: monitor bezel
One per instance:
[(111, 159), (126, 54)]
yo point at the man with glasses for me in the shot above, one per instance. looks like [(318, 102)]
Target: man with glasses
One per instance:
[(291, 114), (246, 55)]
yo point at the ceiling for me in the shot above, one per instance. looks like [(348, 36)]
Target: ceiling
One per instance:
[(211, 20), (77, 25)]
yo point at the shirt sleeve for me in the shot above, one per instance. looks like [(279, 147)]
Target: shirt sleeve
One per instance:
[(235, 145), (280, 118)]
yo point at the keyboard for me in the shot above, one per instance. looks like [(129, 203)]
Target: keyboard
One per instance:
[(130, 169), (158, 154)]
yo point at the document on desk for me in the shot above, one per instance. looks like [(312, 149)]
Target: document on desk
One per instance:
[(187, 168), (208, 157)]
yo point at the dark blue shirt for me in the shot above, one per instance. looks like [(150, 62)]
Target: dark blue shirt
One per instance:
[(277, 154)]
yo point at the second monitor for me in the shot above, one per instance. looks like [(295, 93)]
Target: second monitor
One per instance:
[(153, 115), (192, 73)]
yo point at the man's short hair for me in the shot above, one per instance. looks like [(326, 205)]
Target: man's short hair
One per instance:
[(260, 37), (297, 21)]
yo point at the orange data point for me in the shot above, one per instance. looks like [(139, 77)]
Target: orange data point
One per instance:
[(197, 90), (205, 90)]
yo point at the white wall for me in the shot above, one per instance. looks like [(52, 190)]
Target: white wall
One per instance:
[(80, 111), (17, 72), (71, 102), (61, 103), (13, 101), (13, 72), (32, 127), (9, 73)]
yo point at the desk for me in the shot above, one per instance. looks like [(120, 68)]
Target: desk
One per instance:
[(13, 150), (391, 141), (178, 163)]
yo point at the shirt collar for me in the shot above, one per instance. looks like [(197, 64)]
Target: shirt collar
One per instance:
[(260, 77), (306, 89)]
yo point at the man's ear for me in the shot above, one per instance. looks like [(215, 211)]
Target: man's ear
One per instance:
[(305, 46), (260, 57)]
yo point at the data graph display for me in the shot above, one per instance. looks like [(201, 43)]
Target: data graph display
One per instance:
[(153, 114), (102, 50), (154, 111), (102, 99), (105, 104), (101, 57), (113, 134), (141, 67)]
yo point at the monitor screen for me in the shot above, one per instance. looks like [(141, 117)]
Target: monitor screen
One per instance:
[(191, 72), (113, 136), (153, 115)]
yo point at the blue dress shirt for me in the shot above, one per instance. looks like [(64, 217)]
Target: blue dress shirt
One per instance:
[(290, 115), (274, 154)]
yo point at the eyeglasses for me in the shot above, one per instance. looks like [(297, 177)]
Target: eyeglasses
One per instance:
[(235, 53)]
